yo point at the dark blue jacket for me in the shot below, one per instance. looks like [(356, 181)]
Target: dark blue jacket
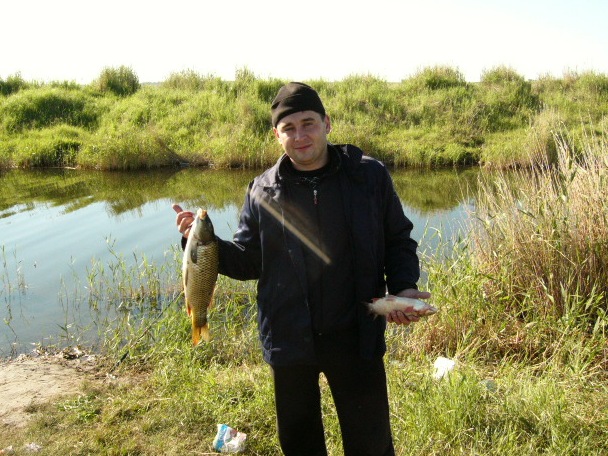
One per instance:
[(266, 247)]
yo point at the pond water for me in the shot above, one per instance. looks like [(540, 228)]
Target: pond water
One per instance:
[(60, 230)]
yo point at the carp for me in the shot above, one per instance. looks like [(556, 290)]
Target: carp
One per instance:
[(409, 306), (199, 274)]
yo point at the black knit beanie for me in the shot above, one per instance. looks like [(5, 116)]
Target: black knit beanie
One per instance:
[(295, 97)]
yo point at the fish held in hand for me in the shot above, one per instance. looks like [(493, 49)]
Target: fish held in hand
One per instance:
[(409, 306), (199, 273)]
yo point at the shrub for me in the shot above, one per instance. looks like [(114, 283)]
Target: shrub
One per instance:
[(501, 75), (12, 84), (120, 81), (437, 77)]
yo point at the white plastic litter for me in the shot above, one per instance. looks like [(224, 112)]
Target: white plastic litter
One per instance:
[(229, 440), (443, 366)]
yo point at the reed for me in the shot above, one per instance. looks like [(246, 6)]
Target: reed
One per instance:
[(530, 283), (548, 229), (13, 285)]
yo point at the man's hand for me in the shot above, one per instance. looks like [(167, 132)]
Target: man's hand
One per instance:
[(398, 317), (183, 220)]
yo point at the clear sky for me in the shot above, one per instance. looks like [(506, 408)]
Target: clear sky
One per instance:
[(73, 40)]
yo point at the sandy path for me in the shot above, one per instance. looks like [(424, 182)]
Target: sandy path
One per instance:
[(30, 380)]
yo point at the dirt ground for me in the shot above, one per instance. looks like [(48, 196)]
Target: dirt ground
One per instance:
[(33, 379)]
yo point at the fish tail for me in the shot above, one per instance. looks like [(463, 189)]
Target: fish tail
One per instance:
[(370, 308), (199, 332), (205, 334)]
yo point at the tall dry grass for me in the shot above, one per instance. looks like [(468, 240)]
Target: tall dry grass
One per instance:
[(530, 282), (542, 233)]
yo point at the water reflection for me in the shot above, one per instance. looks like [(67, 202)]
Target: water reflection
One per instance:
[(432, 191), (425, 191), (60, 226), (119, 191)]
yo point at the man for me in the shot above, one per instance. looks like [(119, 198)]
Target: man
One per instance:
[(323, 232)]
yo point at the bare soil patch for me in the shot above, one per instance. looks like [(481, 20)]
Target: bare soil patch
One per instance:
[(29, 380)]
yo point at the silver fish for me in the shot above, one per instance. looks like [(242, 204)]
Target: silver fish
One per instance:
[(199, 273), (409, 306)]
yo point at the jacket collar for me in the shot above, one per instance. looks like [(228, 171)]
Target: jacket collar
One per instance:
[(342, 155)]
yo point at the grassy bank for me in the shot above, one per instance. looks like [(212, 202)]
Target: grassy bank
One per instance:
[(522, 312), (433, 118)]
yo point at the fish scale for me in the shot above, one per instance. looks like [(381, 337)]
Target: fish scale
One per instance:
[(200, 266)]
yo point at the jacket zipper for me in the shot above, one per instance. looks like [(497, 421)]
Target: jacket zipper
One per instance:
[(320, 310)]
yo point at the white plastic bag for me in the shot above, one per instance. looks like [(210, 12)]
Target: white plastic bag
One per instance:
[(229, 440), (443, 366)]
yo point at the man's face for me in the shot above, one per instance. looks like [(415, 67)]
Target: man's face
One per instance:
[(303, 136)]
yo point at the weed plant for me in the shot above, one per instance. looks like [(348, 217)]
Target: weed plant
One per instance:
[(13, 285)]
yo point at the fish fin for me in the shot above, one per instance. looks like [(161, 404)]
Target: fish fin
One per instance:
[(205, 334), (196, 335), (199, 332)]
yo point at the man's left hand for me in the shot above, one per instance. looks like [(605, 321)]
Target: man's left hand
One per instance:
[(398, 317)]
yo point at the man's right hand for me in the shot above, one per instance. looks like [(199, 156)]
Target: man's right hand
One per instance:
[(183, 220)]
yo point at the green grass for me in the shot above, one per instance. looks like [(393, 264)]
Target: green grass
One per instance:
[(168, 397), (434, 118)]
